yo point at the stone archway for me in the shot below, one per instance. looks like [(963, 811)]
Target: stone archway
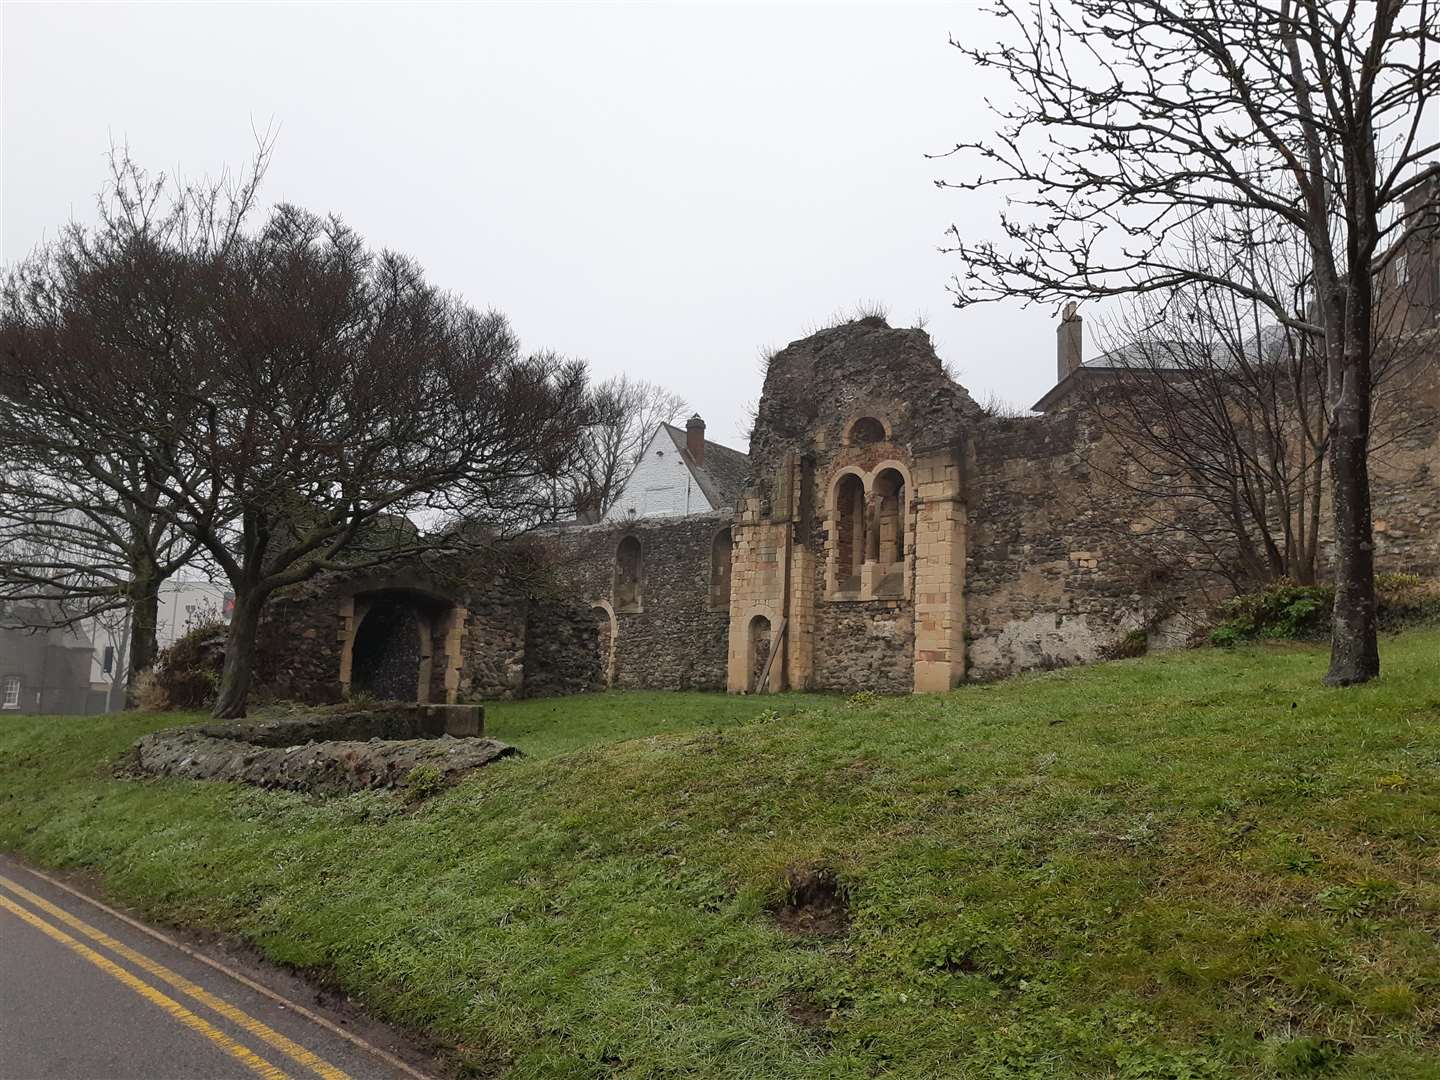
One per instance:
[(757, 655), (608, 634), (401, 644), (391, 645)]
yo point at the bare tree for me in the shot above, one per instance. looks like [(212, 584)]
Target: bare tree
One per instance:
[(1125, 121), (318, 392), (122, 289), (627, 412)]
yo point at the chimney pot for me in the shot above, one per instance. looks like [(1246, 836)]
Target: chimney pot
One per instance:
[(695, 439), (1068, 343)]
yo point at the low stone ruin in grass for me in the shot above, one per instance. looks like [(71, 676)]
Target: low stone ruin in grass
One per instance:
[(327, 752)]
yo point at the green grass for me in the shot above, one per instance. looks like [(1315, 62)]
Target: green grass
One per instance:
[(1197, 865)]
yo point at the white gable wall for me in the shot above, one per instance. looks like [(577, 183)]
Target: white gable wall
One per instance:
[(661, 484)]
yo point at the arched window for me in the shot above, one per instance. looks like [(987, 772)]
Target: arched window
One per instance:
[(629, 575), (890, 517), (887, 531), (850, 532), (720, 551), (866, 430), (759, 651)]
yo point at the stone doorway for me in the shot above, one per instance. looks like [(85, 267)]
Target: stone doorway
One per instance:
[(759, 654), (401, 645), (386, 660)]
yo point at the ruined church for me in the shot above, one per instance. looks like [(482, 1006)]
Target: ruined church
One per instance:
[(884, 533)]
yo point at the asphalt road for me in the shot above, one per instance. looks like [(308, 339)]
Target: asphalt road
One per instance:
[(84, 995)]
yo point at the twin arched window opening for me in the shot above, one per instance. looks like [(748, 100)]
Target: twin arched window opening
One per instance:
[(870, 529)]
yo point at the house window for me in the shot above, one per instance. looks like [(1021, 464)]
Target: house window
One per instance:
[(10, 692), (1402, 268), (108, 663)]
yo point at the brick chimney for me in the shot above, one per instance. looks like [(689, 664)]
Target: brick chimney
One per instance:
[(695, 439), (1068, 347)]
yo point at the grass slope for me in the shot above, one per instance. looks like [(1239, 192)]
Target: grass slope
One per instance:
[(1202, 864)]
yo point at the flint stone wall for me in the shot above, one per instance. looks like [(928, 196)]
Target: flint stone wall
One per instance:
[(521, 637), (677, 640)]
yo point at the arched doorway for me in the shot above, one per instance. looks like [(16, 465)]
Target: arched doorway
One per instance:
[(388, 651), (401, 644), (759, 653)]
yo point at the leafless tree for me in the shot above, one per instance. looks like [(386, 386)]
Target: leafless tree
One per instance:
[(1127, 121), (317, 394), (123, 289), (627, 412)]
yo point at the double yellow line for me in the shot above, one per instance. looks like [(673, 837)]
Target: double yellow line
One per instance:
[(263, 1032)]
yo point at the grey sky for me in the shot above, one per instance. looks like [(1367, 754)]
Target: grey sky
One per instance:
[(663, 190)]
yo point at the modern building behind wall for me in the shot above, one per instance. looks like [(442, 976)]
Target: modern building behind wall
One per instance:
[(43, 669)]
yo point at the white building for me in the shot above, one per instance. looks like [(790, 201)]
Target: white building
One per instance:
[(184, 605), (681, 472)]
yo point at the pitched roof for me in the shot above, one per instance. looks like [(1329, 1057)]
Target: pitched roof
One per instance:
[(724, 473), (1160, 355)]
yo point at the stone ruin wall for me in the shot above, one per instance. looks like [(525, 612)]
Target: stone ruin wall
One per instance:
[(484, 634), (1405, 473), (674, 636), (1018, 553), (894, 625)]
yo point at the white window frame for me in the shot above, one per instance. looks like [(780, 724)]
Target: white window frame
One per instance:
[(10, 692)]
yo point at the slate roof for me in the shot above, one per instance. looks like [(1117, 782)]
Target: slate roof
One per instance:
[(724, 473), (1151, 353)]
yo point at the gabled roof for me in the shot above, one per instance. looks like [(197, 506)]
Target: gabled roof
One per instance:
[(722, 476), (1159, 355)]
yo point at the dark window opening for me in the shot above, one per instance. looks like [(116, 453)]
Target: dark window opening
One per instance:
[(720, 554), (629, 575)]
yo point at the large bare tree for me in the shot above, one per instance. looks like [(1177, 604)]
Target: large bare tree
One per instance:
[(72, 546), (318, 391), (627, 412), (1127, 123)]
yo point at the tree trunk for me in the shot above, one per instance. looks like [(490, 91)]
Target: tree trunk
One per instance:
[(1354, 650), (239, 666), (144, 623)]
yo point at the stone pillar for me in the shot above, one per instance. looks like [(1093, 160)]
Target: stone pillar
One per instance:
[(771, 577), (940, 542), (872, 527)]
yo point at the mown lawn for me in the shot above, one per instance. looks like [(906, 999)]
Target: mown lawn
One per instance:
[(1202, 864)]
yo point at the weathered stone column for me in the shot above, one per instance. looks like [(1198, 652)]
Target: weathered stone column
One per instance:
[(940, 540)]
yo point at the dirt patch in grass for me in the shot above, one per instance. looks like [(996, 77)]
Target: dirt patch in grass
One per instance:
[(806, 1013), (814, 905)]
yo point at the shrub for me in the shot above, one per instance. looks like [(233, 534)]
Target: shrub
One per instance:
[(150, 696), (421, 782), (1406, 600), (1282, 610), (1131, 645), (187, 674), (1302, 612)]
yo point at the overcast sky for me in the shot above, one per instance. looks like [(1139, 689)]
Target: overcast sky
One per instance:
[(662, 190)]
